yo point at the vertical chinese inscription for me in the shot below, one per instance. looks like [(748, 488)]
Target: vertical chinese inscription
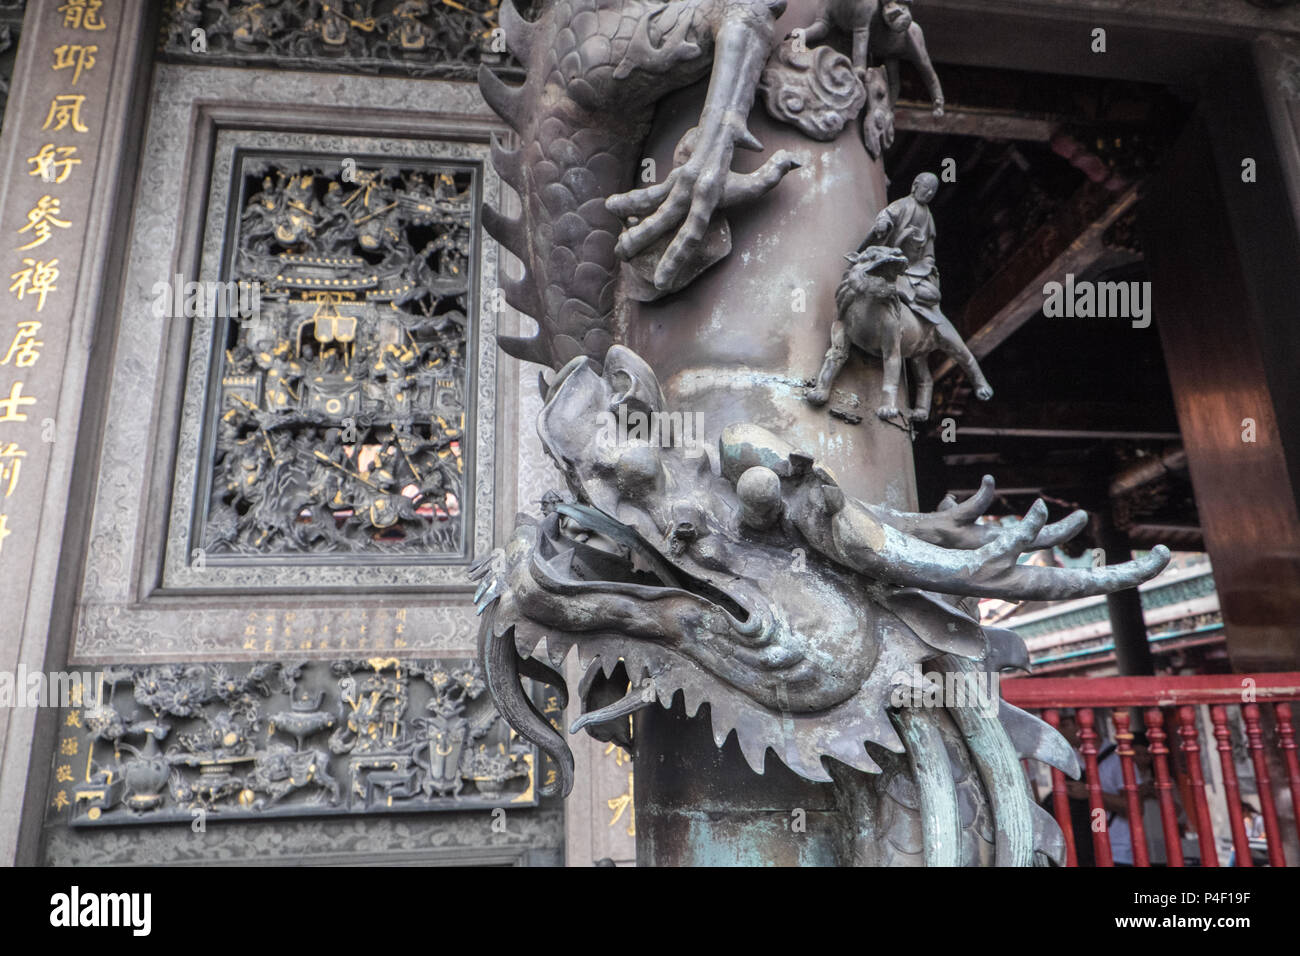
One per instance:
[(45, 237)]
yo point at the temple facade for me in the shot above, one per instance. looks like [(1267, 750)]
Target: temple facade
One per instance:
[(256, 430)]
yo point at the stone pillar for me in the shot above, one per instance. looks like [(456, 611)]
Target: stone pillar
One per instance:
[(736, 347), (600, 818), (70, 132), (701, 805)]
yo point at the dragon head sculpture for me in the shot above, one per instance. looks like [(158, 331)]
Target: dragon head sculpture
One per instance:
[(746, 579)]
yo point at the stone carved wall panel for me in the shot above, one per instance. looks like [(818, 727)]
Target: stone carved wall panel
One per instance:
[(388, 379), (409, 37), (340, 396), (180, 742), (141, 551)]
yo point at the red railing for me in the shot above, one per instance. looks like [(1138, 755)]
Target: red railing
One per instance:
[(1257, 707)]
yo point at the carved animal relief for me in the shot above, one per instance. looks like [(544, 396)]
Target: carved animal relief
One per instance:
[(595, 71), (175, 741), (887, 305)]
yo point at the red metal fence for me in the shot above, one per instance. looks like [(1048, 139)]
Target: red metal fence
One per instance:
[(1255, 710)]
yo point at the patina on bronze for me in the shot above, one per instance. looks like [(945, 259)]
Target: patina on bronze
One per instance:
[(778, 579)]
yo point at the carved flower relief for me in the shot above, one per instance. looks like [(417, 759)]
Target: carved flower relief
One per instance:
[(224, 684), (172, 689), (472, 680), (817, 91), (105, 722)]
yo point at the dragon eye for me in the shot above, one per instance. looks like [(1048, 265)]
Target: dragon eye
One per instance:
[(792, 102)]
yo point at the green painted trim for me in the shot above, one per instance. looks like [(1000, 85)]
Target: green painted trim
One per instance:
[(1204, 629)]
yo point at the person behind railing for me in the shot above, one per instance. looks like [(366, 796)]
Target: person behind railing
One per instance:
[(1077, 794), (1114, 800), (1110, 774), (1253, 821)]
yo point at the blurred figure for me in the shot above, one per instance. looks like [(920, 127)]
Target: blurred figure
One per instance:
[(1110, 773), (1077, 794), (1253, 821)]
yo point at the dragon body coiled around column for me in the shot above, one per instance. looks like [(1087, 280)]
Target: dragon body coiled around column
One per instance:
[(595, 71), (666, 567)]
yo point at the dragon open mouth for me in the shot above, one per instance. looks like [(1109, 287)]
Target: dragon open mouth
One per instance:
[(579, 556), (632, 562)]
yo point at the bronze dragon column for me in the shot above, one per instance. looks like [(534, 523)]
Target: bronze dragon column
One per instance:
[(736, 557), (739, 344)]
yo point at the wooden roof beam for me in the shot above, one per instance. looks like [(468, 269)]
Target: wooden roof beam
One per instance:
[(976, 121), (1095, 421), (1070, 243)]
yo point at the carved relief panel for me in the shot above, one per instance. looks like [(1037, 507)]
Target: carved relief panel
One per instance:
[(304, 412), (340, 399), (412, 37), (172, 742)]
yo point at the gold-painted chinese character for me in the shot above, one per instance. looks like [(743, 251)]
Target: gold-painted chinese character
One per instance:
[(25, 348), (620, 755), (82, 14), (41, 219), (4, 531), (11, 457), (621, 803), (61, 800), (38, 279), (65, 109), (9, 406), (53, 163), (63, 774), (75, 57), (73, 719), (68, 747)]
